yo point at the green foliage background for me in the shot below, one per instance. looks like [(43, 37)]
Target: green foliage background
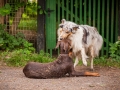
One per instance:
[(16, 51)]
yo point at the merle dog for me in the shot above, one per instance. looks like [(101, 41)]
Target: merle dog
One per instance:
[(59, 68)]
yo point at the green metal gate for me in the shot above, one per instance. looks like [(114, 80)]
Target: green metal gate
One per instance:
[(102, 14)]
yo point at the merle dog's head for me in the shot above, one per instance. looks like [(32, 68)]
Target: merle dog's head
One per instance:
[(66, 29)]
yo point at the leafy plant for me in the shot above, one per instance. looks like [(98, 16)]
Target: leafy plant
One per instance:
[(21, 57), (115, 50), (5, 10), (10, 42), (30, 7)]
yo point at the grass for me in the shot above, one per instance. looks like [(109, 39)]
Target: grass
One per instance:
[(19, 58), (105, 62), (109, 62)]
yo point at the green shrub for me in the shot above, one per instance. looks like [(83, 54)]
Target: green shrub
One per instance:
[(115, 50), (10, 42)]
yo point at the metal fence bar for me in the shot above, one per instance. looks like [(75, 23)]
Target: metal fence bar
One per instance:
[(76, 12), (112, 20), (58, 11), (71, 10), (85, 4), (94, 12), (107, 27), (89, 10), (98, 16), (67, 7), (81, 20), (103, 11), (63, 16)]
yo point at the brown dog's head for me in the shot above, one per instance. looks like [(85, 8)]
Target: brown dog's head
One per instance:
[(64, 46)]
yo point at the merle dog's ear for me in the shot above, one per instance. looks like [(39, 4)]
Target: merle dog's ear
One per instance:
[(63, 21), (61, 25), (58, 44), (75, 27)]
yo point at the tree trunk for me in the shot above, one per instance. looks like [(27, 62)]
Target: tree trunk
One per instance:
[(17, 18), (1, 17)]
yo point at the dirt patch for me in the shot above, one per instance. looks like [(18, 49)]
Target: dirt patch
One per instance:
[(14, 79)]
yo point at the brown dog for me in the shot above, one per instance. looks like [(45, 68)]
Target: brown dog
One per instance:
[(59, 68)]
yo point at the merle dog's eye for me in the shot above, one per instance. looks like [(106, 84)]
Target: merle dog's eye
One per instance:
[(67, 32)]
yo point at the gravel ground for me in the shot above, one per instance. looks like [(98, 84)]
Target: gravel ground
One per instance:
[(12, 78)]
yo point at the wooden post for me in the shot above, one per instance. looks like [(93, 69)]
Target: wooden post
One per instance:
[(41, 28), (1, 17), (119, 20)]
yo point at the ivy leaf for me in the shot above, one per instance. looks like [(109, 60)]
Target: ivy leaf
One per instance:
[(7, 6), (41, 11), (39, 7), (45, 12)]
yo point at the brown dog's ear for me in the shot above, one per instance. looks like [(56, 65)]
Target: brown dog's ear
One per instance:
[(58, 44)]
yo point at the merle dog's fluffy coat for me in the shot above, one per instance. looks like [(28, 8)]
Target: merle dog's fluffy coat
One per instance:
[(59, 68), (86, 42)]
